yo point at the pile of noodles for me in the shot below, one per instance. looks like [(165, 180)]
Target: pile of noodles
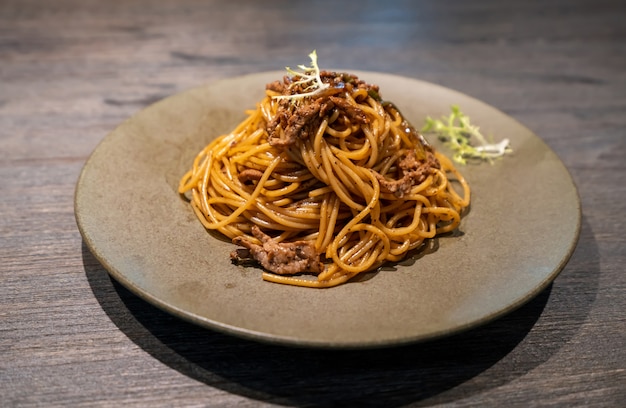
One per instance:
[(319, 186)]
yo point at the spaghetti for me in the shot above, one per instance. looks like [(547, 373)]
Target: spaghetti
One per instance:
[(323, 181)]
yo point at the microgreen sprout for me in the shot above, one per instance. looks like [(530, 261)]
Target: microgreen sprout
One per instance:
[(457, 132), (309, 79)]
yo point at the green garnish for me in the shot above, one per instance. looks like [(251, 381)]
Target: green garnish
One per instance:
[(309, 79), (374, 95), (457, 132)]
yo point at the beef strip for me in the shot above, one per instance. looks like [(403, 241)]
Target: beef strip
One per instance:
[(282, 258), (279, 86), (353, 112), (413, 172), (250, 175)]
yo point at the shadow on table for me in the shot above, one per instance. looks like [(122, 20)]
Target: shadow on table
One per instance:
[(434, 372)]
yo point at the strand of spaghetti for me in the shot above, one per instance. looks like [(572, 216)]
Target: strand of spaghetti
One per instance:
[(320, 191), (450, 214), (283, 202), (340, 241), (397, 119), (360, 250), (299, 219), (295, 176), (311, 162), (368, 260), (399, 231), (337, 187), (332, 248), (288, 216), (353, 172), (373, 158), (334, 205), (290, 280), (387, 162), (299, 214), (205, 182), (285, 220), (447, 164), (246, 151), (190, 179), (324, 223), (229, 230), (229, 168), (356, 153), (347, 174), (281, 192), (252, 197), (317, 140), (342, 134), (214, 215), (397, 252), (359, 93), (224, 184), (187, 182)]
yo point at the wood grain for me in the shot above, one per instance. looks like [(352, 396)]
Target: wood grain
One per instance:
[(70, 71)]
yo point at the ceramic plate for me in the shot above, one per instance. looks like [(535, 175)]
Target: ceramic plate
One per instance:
[(522, 228)]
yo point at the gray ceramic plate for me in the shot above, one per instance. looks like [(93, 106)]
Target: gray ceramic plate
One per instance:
[(522, 228)]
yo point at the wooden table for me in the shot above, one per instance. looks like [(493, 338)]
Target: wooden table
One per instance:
[(71, 70)]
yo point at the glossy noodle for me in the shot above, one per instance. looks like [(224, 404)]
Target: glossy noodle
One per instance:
[(317, 188)]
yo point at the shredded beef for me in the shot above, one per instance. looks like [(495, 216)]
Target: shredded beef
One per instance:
[(284, 258), (295, 121), (277, 86), (413, 172), (250, 175), (353, 112)]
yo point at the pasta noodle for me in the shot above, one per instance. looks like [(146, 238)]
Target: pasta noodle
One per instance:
[(334, 193)]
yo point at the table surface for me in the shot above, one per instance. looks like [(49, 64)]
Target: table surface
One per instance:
[(71, 70)]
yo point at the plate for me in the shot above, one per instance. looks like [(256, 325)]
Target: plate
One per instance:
[(522, 228)]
